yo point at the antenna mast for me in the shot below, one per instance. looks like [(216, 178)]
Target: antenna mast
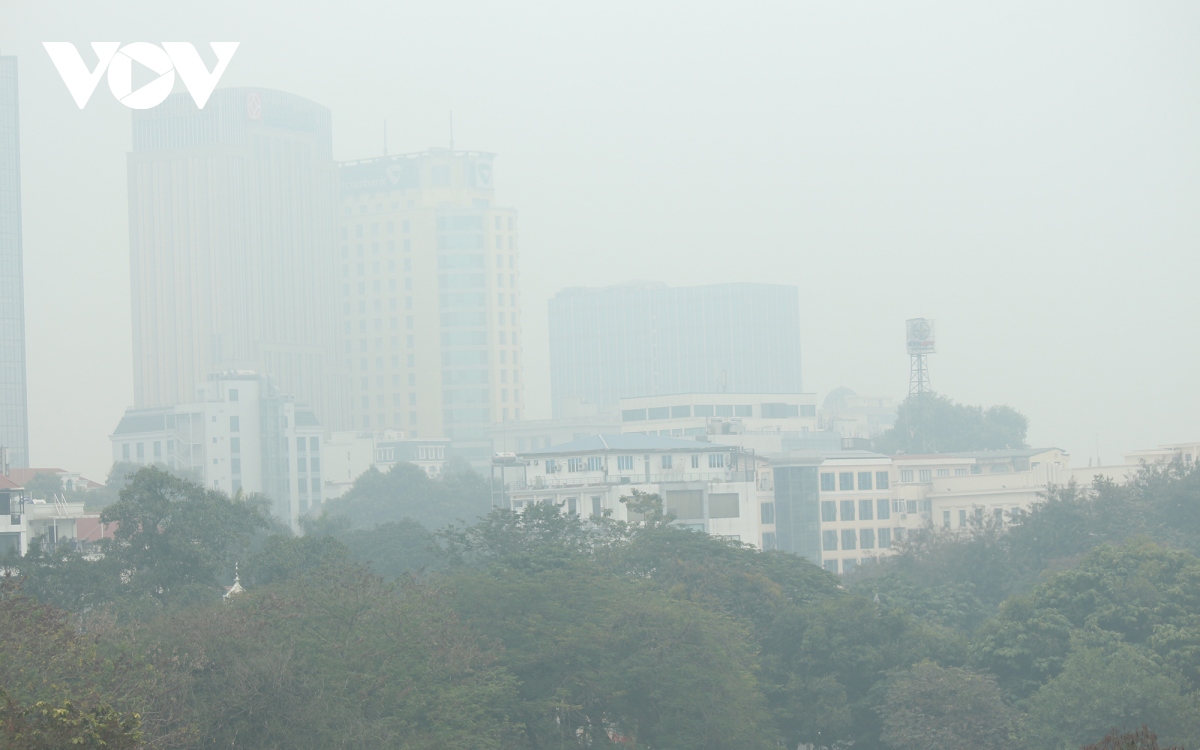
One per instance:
[(920, 345)]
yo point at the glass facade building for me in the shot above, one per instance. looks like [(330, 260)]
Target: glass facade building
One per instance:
[(651, 340), (14, 416)]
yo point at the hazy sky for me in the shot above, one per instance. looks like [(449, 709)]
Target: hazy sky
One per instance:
[(1027, 173)]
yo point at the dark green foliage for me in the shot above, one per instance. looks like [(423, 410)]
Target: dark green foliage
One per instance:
[(174, 537), (1139, 739), (936, 424), (44, 486), (928, 706), (283, 558), (406, 492), (1111, 684), (395, 549), (337, 658), (61, 724)]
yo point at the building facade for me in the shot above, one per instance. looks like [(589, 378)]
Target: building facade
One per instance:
[(348, 455), (429, 295), (710, 488), (14, 410), (238, 434), (232, 213), (650, 339)]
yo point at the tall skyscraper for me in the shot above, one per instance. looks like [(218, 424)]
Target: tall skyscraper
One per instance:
[(650, 339), (429, 298), (14, 412), (232, 247)]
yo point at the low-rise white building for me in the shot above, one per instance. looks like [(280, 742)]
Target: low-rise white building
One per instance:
[(240, 434), (14, 529), (348, 455), (708, 487)]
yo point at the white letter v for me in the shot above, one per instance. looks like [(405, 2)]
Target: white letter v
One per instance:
[(80, 81), (196, 78)]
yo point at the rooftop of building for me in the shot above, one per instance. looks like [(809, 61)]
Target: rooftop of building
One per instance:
[(625, 442), (23, 476), (8, 484), (136, 421)]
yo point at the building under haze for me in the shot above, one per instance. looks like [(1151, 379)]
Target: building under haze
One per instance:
[(236, 433), (428, 295), (645, 339), (232, 213), (14, 412)]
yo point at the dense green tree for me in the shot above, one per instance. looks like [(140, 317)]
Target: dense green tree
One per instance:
[(597, 654), (283, 558), (337, 658), (174, 538), (61, 724), (928, 706), (1111, 684), (395, 548), (1139, 739), (458, 494), (931, 423)]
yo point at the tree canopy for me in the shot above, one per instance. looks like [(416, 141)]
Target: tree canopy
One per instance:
[(931, 423)]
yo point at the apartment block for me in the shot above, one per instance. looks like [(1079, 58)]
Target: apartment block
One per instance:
[(239, 434)]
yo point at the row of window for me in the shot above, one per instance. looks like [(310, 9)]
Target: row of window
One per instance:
[(866, 510), (767, 411), (844, 481), (859, 539), (625, 463)]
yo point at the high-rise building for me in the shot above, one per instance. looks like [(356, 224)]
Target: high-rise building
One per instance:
[(645, 339), (232, 247), (14, 412), (430, 304)]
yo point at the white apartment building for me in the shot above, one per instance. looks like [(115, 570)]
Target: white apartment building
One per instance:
[(348, 455), (707, 487), (1188, 452), (14, 530), (239, 434)]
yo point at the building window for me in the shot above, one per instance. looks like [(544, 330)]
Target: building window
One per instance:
[(233, 394), (716, 460), (885, 539), (847, 510), (595, 463), (926, 475), (234, 424), (830, 565), (881, 480), (866, 538), (945, 519), (574, 464), (943, 472), (828, 511), (767, 513), (846, 481), (864, 480), (667, 461), (829, 541), (960, 472), (125, 452), (571, 506), (597, 507), (827, 482), (906, 475), (695, 460), (962, 518), (849, 539), (866, 510), (768, 541), (884, 507), (624, 463)]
